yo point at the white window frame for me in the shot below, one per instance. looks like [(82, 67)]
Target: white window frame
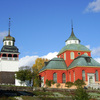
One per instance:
[(72, 55), (64, 56)]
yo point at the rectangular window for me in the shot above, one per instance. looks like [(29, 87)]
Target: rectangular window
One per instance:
[(83, 75), (64, 56), (55, 77), (72, 55), (74, 76), (70, 77), (63, 78), (96, 75)]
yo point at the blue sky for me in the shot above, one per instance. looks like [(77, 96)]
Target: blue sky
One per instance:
[(41, 27)]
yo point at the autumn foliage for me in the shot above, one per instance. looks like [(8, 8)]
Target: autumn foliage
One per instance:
[(39, 63)]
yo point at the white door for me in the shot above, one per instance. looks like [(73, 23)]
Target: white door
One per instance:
[(42, 83), (91, 78)]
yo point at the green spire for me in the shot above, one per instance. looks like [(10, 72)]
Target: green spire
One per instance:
[(72, 36), (9, 28), (9, 37)]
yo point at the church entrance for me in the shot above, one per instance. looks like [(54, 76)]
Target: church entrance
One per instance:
[(42, 83), (91, 78)]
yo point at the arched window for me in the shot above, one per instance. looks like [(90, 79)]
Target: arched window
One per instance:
[(9, 55), (74, 75), (72, 55), (4, 55), (86, 54), (55, 77), (5, 43), (96, 75), (70, 77), (9, 43), (14, 55), (83, 75), (63, 78), (64, 56)]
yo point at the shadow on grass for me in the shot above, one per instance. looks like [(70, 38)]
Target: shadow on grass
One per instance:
[(10, 93)]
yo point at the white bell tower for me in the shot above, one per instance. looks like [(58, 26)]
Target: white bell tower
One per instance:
[(9, 59)]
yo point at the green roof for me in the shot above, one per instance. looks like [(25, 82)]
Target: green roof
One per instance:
[(81, 61), (55, 63), (72, 36), (77, 47), (9, 38), (12, 49)]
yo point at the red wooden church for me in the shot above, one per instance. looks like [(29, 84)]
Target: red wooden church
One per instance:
[(73, 62)]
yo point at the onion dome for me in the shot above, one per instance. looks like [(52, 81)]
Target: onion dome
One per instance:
[(9, 43), (9, 38)]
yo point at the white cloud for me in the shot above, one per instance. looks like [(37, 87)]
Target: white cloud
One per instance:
[(27, 61), (97, 59), (2, 35), (93, 6), (50, 55), (88, 46), (96, 51), (30, 60)]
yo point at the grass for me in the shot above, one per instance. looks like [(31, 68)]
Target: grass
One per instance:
[(7, 98), (45, 98), (38, 93), (51, 94)]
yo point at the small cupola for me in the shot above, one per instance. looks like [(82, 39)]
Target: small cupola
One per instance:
[(72, 39), (8, 40)]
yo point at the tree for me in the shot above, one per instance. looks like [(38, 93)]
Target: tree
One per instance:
[(39, 63), (68, 84), (79, 83), (81, 94), (24, 74)]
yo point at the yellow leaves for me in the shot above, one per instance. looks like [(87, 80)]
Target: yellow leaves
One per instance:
[(39, 63)]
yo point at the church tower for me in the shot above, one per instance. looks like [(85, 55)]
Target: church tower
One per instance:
[(72, 49), (9, 59)]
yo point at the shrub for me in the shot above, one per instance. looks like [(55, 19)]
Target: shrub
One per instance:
[(81, 94), (52, 82), (68, 84), (58, 85), (79, 83), (48, 83)]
